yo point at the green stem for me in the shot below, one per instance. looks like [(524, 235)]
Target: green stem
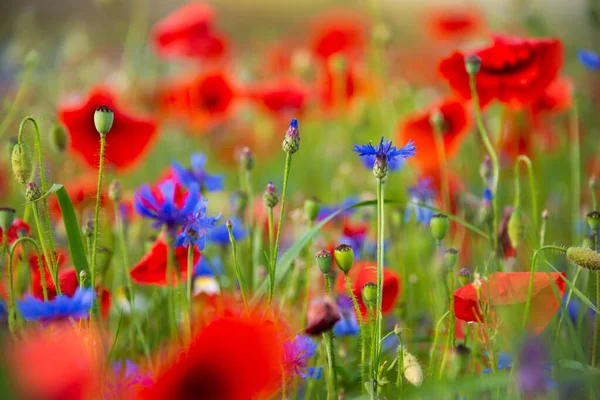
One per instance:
[(400, 357), (568, 302), (452, 333), (575, 159), (438, 327), (534, 205), (380, 239), (373, 371), (250, 224), (329, 338), (40, 263), (597, 322), (441, 153), (307, 265), (492, 153), (271, 248), (362, 330), (97, 211), (238, 271), (532, 273), (38, 224), (170, 286), (188, 289)]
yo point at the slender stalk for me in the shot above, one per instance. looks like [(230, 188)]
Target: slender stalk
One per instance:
[(329, 338), (363, 333), (597, 322), (534, 204), (54, 272), (441, 153), (170, 286), (307, 265), (380, 239), (438, 327), (271, 249), (40, 263), (400, 357), (188, 291), (238, 271), (250, 224), (372, 362), (567, 303), (18, 97), (452, 324), (575, 158), (97, 211)]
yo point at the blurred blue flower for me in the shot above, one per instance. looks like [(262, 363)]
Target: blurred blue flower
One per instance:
[(487, 194), (208, 267), (62, 306), (197, 175), (533, 370), (327, 210), (422, 192), (386, 150), (220, 235), (504, 361), (296, 353), (3, 312), (589, 59), (196, 226), (348, 324), (576, 307), (126, 376)]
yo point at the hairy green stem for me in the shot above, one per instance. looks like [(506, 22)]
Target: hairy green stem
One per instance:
[(438, 327), (97, 211), (329, 338), (597, 322), (363, 334), (53, 272), (575, 158), (250, 224), (271, 248), (238, 271)]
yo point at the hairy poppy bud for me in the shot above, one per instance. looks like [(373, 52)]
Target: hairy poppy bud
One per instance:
[(593, 219), (344, 257), (472, 64), (380, 168), (369, 294), (291, 142), (322, 315), (115, 192), (270, 196), (464, 276), (247, 158), (311, 208), (32, 191), (21, 163), (413, 372), (7, 217), (516, 230), (103, 119), (439, 226), (324, 261), (450, 258), (585, 258), (59, 137)]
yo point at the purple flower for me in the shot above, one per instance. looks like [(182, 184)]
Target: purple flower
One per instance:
[(422, 192), (197, 175), (327, 210), (126, 376), (385, 150), (220, 234), (348, 324), (296, 353), (195, 227), (532, 368), (62, 306)]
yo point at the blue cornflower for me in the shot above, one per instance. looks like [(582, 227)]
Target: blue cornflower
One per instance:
[(195, 227), (295, 357), (163, 208), (393, 165), (220, 234), (206, 267), (576, 307), (421, 193), (487, 194), (327, 210), (3, 312), (504, 361), (348, 324), (589, 59), (197, 175), (61, 306), (127, 377), (385, 155)]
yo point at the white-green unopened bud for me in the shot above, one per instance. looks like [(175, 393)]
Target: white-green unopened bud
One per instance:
[(413, 372), (584, 257), (516, 228)]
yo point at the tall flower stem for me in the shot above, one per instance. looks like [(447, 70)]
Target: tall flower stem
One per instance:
[(441, 153), (271, 249), (97, 211), (363, 333), (597, 321), (575, 159), (490, 149), (53, 271), (250, 224), (438, 327), (380, 239), (188, 291), (534, 204), (307, 264), (238, 271), (329, 338), (171, 286)]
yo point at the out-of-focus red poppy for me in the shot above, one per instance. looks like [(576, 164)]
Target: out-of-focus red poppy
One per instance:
[(507, 292), (339, 86), (231, 359), (338, 33), (454, 23), (557, 98), (5, 183), (203, 100), (188, 32), (130, 137), (515, 71), (418, 128), (455, 186), (82, 192), (364, 272), (152, 268), (56, 364), (17, 229), (280, 97)]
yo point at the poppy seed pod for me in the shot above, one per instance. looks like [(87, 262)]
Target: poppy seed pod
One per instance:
[(472, 64), (516, 230), (7, 217), (103, 119), (32, 191), (464, 276), (344, 257), (436, 119), (291, 141), (450, 258), (585, 258), (439, 226), (21, 163), (413, 372), (311, 208), (59, 137), (369, 294), (593, 219), (324, 261)]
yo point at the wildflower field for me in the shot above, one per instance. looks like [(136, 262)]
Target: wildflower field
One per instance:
[(351, 200)]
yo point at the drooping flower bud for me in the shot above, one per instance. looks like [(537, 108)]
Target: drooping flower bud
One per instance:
[(593, 219), (439, 226), (472, 64), (311, 208), (413, 372), (369, 294), (450, 258), (322, 315), (32, 191), (21, 163), (324, 261), (291, 142), (380, 168), (247, 159), (344, 257), (59, 137), (7, 217), (585, 258), (464, 276), (115, 192), (103, 119), (516, 229), (270, 198)]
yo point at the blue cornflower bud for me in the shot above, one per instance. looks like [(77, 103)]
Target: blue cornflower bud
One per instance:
[(589, 59), (270, 196), (291, 142)]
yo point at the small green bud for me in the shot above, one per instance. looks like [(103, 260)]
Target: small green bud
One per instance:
[(436, 120), (344, 257), (311, 208), (472, 64), (369, 294), (59, 137), (32, 191), (247, 158), (324, 261), (380, 168), (413, 372), (450, 258), (585, 258), (115, 192), (103, 119), (291, 141), (7, 217), (464, 276), (593, 219), (21, 163), (516, 230), (439, 226), (270, 198)]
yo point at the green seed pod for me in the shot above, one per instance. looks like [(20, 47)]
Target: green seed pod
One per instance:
[(464, 276), (472, 64), (324, 261), (413, 372), (516, 230), (344, 257), (593, 219), (32, 191), (585, 258), (270, 198), (436, 120), (21, 163), (439, 226), (7, 217), (59, 137), (103, 119), (450, 258), (369, 294), (311, 208)]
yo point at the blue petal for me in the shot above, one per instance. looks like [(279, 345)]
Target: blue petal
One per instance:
[(198, 161), (589, 59)]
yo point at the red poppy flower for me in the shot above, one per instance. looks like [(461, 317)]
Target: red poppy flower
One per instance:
[(280, 97), (16, 230), (515, 71), (231, 359), (338, 32), (557, 98), (365, 272), (418, 128), (152, 268), (188, 32), (507, 294), (82, 192), (338, 88), (453, 23), (129, 138), (203, 100)]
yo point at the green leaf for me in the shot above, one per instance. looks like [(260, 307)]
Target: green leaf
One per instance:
[(53, 189), (577, 292)]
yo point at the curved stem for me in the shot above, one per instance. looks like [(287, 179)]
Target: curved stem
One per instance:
[(441, 153), (534, 205), (40, 264), (361, 327), (97, 211), (238, 271), (532, 273)]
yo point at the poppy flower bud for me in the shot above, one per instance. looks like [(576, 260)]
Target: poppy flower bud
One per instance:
[(516, 230), (472, 64), (103, 119), (413, 372), (369, 294), (247, 158), (291, 142), (585, 258), (380, 168), (486, 169), (32, 191), (311, 208), (450, 258), (7, 217), (270, 196), (88, 228), (322, 315), (439, 226), (115, 192), (344, 257), (324, 261), (464, 276), (21, 163), (593, 219), (59, 137), (593, 183)]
